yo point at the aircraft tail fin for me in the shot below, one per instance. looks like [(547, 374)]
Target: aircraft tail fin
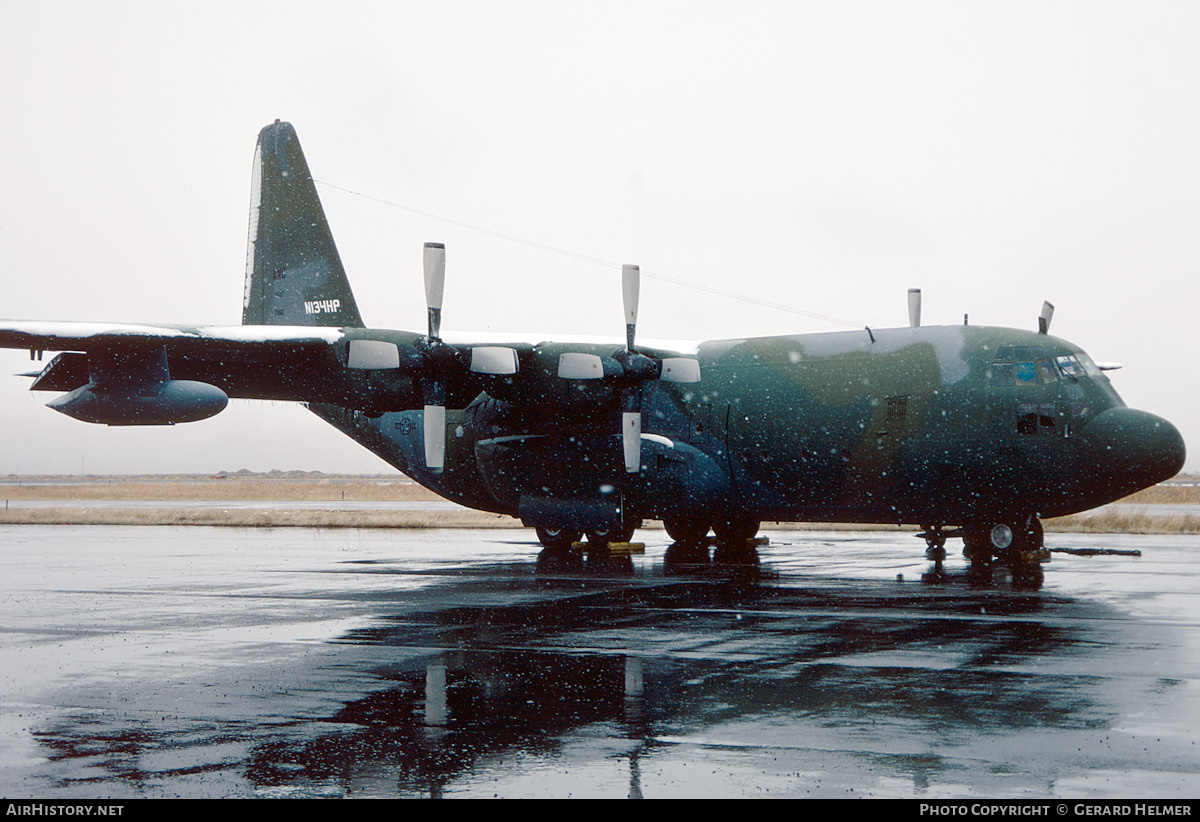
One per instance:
[(294, 275)]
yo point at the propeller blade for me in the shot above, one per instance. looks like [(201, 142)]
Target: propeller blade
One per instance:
[(631, 440), (631, 419), (434, 263), (435, 437), (629, 370), (631, 279), (1045, 317), (435, 282), (434, 390), (914, 307)]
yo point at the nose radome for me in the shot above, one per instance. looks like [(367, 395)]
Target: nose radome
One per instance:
[(1132, 449)]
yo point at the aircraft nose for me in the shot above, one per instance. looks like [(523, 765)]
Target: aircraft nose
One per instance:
[(1130, 449)]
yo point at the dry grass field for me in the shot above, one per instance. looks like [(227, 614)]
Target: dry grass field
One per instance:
[(1128, 516), (235, 488), (263, 487)]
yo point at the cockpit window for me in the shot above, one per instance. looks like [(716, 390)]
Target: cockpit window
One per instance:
[(1003, 374), (1089, 367), (1022, 372), (1026, 373), (1046, 372), (1069, 366)]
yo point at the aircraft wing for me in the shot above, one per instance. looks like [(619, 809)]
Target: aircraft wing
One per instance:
[(87, 336), (158, 374), (369, 370)]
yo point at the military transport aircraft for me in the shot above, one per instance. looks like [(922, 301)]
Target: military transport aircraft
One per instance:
[(964, 431)]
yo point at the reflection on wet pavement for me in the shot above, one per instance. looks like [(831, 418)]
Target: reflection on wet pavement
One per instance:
[(197, 662)]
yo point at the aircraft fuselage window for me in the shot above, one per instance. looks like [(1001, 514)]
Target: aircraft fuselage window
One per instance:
[(1041, 372), (1046, 418), (1003, 374), (1033, 419), (1090, 368)]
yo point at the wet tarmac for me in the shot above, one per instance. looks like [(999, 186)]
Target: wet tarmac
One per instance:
[(220, 662)]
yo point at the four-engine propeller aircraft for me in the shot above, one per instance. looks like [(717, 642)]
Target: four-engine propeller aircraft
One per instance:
[(965, 431)]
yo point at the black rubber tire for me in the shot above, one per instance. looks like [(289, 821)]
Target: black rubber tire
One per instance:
[(687, 531), (734, 531), (604, 536), (557, 537)]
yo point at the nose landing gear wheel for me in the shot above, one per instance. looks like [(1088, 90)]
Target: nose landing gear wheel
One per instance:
[(935, 549), (1017, 544), (1001, 537)]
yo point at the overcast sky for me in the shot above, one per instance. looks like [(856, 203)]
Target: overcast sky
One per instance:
[(815, 156)]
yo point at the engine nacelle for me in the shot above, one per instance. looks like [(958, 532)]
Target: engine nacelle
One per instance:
[(153, 403)]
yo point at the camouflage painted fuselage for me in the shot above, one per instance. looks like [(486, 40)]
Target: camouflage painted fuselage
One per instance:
[(934, 426)]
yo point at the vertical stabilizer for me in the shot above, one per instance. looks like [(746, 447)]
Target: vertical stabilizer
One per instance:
[(294, 275)]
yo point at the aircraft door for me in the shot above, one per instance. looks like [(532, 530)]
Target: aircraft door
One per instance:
[(742, 448)]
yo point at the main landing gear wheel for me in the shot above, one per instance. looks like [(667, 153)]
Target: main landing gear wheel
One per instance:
[(552, 536), (558, 555), (600, 558), (687, 531), (688, 553), (552, 561), (735, 544), (603, 536)]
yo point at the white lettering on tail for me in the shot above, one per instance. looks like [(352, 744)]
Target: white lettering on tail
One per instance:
[(322, 306)]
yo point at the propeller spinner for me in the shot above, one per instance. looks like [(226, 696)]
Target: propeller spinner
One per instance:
[(634, 369)]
